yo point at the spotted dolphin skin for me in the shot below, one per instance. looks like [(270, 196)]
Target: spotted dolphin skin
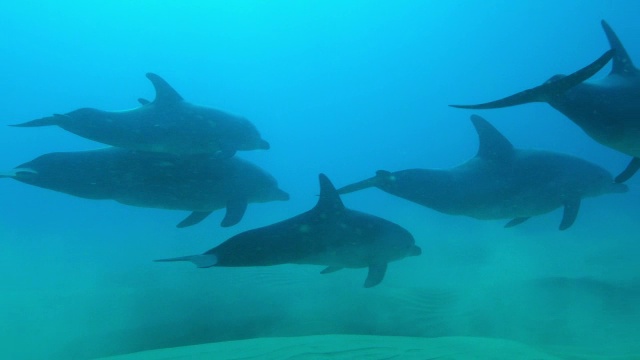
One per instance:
[(608, 110), (197, 183), (500, 182), (168, 124), (329, 235)]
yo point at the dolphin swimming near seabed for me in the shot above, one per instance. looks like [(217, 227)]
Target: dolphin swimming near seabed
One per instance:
[(500, 182), (608, 110), (197, 183), (329, 235), (168, 124)]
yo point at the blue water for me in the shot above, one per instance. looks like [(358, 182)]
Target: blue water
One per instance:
[(339, 87)]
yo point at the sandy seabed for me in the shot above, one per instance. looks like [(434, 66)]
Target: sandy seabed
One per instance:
[(357, 347)]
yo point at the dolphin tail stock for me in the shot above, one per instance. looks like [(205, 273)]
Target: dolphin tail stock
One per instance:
[(552, 87), (201, 261), (381, 176), (56, 119)]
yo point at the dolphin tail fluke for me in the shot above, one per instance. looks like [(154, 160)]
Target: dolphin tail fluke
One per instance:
[(622, 64), (45, 121), (629, 171), (546, 91), (16, 172), (376, 274), (381, 176), (201, 261)]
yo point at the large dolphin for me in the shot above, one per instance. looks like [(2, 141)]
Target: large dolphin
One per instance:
[(329, 235), (197, 183), (500, 182), (168, 124), (608, 110)]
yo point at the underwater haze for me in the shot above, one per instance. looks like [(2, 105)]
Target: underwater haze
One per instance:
[(343, 88)]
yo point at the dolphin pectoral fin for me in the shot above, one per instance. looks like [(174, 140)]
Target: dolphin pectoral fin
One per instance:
[(201, 261), (571, 208), (45, 121), (193, 218), (629, 171), (144, 101), (516, 221), (376, 274), (235, 211), (546, 91), (330, 269)]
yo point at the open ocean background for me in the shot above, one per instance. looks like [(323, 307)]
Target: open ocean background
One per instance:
[(339, 87)]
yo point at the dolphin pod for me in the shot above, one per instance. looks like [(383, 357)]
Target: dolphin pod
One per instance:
[(608, 110), (329, 234), (499, 182), (201, 184), (171, 154), (168, 124)]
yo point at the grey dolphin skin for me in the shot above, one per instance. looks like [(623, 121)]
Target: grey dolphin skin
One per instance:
[(197, 183), (500, 182), (168, 124), (608, 110), (329, 235)]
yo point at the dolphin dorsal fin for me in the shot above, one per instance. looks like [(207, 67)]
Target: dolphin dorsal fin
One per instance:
[(329, 198), (622, 64), (165, 94), (493, 145)]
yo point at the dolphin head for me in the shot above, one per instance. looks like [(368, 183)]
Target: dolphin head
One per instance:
[(268, 190), (395, 243), (246, 136)]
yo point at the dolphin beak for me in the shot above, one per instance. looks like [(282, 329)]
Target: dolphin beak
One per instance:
[(264, 145), (415, 251), (281, 195)]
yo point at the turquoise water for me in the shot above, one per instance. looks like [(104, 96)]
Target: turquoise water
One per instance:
[(343, 88)]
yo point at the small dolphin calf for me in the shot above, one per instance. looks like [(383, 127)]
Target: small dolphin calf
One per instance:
[(197, 183), (500, 182), (168, 125), (608, 110), (329, 235)]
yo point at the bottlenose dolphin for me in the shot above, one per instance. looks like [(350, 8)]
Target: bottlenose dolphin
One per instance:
[(329, 235), (608, 110), (197, 183), (168, 124), (499, 182)]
